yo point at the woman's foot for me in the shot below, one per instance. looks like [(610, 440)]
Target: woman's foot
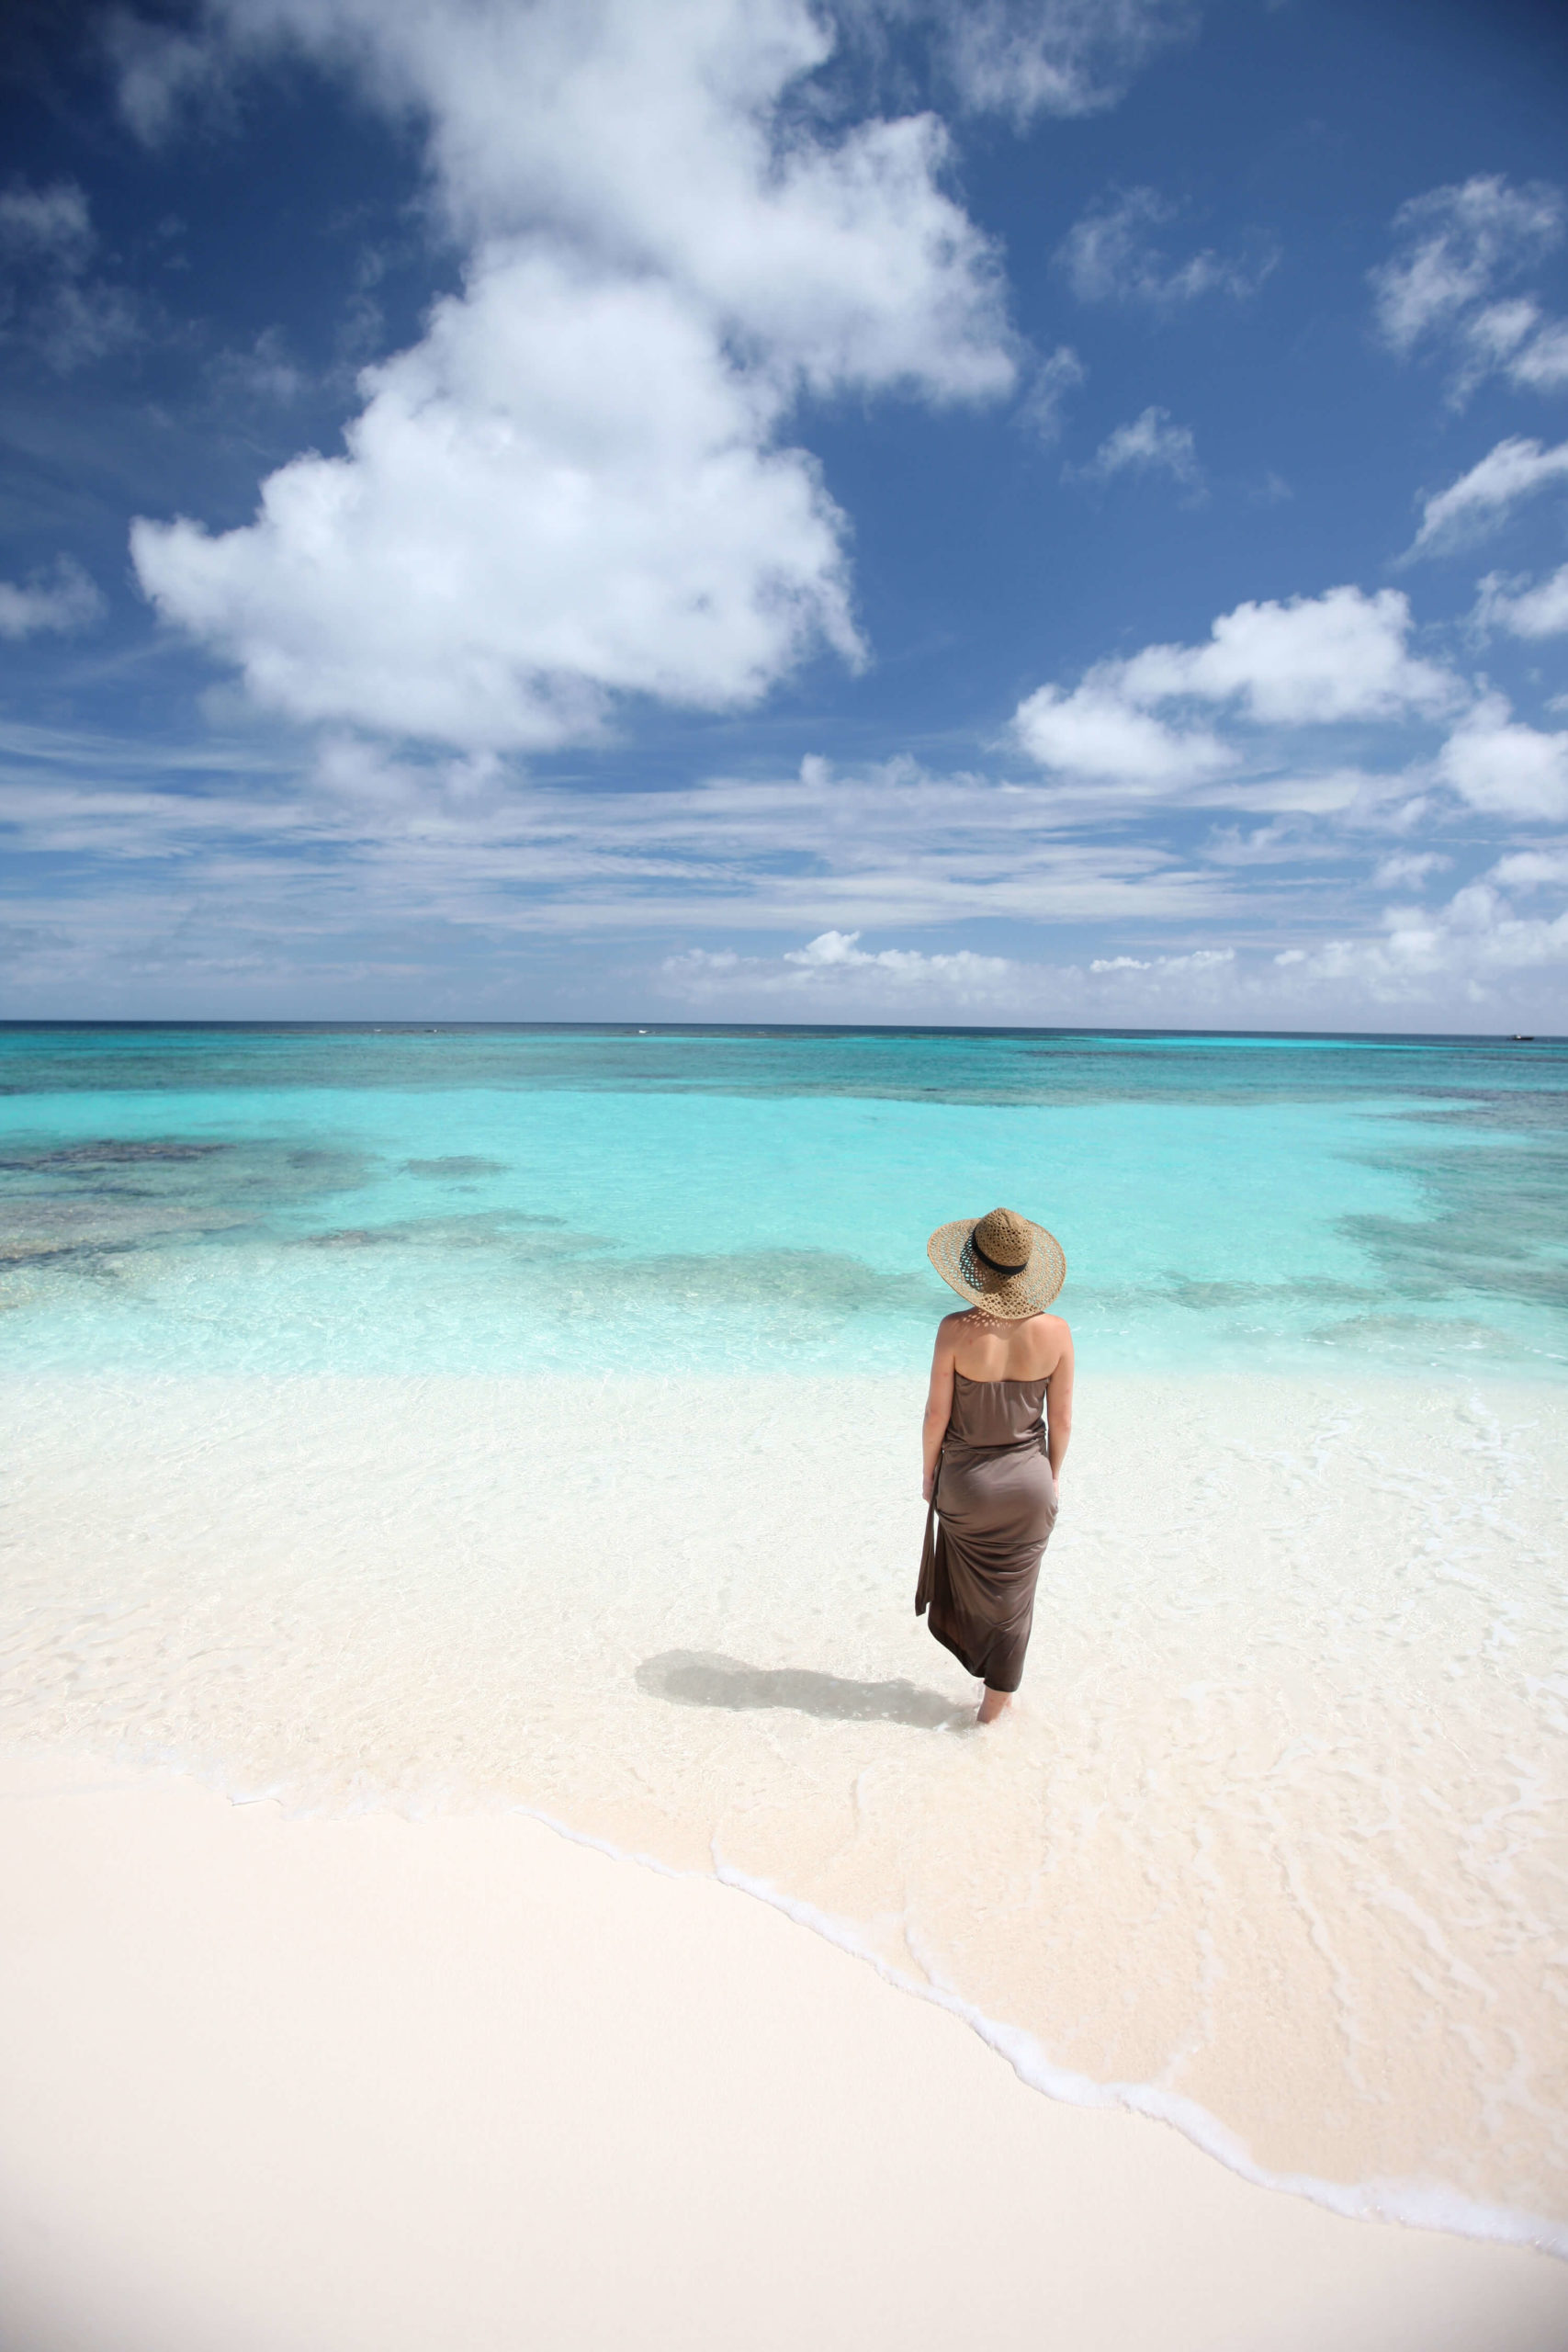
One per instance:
[(994, 1703)]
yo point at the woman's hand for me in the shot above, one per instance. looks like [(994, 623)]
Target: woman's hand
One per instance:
[(928, 1486)]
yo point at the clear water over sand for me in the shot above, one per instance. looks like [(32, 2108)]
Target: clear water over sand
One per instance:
[(508, 1418), (502, 1200)]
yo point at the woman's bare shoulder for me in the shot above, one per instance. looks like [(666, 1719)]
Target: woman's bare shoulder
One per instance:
[(1056, 1342)]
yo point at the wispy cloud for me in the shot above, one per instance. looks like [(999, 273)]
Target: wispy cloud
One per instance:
[(890, 844), (50, 297), (1515, 469), (1408, 869), (51, 223), (1050, 386), (1454, 247), (1112, 255), (236, 874), (1524, 611), (1152, 444), (1023, 58), (61, 600)]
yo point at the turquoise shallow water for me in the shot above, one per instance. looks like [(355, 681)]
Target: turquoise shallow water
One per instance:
[(503, 1199), (1271, 1844)]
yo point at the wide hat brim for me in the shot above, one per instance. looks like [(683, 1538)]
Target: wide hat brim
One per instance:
[(1011, 1297)]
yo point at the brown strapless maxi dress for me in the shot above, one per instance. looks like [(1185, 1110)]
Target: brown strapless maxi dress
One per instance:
[(996, 1502)]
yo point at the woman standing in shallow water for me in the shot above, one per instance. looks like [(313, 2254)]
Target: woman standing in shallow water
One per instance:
[(997, 1420)]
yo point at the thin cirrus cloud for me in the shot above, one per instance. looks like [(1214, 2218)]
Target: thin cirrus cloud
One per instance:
[(460, 841), (1112, 255), (1315, 661), (1455, 249), (577, 485), (363, 861)]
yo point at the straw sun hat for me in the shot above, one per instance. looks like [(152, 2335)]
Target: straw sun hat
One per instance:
[(1002, 1264)]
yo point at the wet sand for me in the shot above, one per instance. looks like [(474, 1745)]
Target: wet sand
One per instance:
[(318, 2085)]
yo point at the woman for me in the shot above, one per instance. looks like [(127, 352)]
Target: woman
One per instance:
[(993, 1464)]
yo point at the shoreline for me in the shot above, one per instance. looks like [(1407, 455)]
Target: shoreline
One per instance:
[(315, 2085), (1195, 1872)]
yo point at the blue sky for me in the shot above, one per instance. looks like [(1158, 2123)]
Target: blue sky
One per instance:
[(1050, 512)]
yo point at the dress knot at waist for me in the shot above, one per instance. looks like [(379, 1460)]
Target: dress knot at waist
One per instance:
[(955, 1440)]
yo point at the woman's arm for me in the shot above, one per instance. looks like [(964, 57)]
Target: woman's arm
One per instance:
[(1059, 1406), (939, 1403)]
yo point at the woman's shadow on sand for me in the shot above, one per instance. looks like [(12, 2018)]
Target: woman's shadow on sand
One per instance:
[(702, 1678)]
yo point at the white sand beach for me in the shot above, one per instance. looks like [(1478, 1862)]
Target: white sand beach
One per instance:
[(1271, 1843), (318, 2086), (315, 2032)]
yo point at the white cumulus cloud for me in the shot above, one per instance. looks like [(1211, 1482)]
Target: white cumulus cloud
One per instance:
[(1467, 951), (576, 486), (834, 965), (564, 491), (1200, 960), (1313, 661), (1530, 869), (1098, 730), (1498, 763)]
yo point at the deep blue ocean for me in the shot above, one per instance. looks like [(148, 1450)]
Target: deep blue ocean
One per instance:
[(502, 1199)]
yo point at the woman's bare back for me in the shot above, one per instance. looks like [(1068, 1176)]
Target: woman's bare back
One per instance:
[(984, 1348)]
